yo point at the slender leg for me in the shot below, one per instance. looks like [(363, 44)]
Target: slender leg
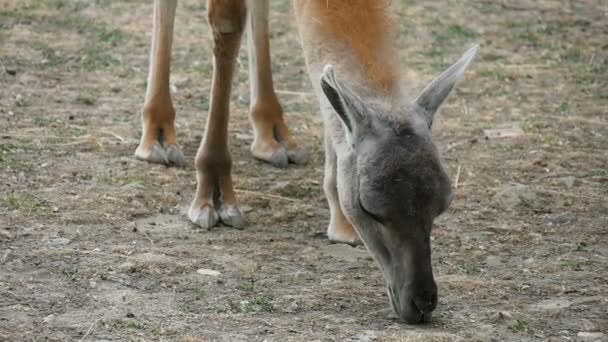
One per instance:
[(215, 198), (158, 142), (340, 229), (272, 141)]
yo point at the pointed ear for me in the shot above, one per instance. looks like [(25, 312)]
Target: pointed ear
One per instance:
[(438, 90), (346, 104)]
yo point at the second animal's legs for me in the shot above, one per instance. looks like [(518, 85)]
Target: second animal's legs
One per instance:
[(272, 141), (158, 141), (215, 198)]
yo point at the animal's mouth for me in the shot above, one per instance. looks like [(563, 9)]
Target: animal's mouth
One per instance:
[(410, 318)]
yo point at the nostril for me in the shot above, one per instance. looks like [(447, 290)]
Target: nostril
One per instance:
[(426, 304)]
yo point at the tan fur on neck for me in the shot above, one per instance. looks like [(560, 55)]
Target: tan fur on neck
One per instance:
[(365, 27)]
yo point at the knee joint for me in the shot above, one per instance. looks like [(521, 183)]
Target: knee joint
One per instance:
[(226, 16)]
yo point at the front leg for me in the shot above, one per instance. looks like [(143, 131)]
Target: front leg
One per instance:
[(215, 198), (273, 143), (158, 141)]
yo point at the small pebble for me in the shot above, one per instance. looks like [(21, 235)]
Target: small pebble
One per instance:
[(205, 271), (586, 336)]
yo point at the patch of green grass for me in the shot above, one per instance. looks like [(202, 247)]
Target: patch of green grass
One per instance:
[(492, 57), (199, 293), (564, 108), (592, 77), (534, 124), (295, 106), (11, 153), (96, 56), (126, 323), (100, 40), (571, 265), (507, 146), (122, 180), (488, 7), (12, 163), (259, 303), (524, 31), (573, 56), (41, 121), (301, 191), (193, 301), (600, 174), (520, 326), (248, 287), (68, 5), (493, 74), (50, 57), (283, 6), (111, 36), (70, 273), (530, 37), (470, 269), (454, 34), (86, 99), (24, 203), (448, 40), (551, 140), (435, 52), (58, 4)]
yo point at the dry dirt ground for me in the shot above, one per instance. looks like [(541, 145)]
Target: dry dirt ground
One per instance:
[(95, 246)]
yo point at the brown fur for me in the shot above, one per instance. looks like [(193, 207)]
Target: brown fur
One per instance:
[(364, 26)]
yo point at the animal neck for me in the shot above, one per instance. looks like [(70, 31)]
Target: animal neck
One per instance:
[(354, 36)]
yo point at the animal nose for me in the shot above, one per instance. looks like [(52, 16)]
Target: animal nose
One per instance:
[(426, 302), (414, 309)]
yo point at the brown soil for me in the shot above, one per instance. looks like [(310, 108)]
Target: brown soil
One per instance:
[(95, 245)]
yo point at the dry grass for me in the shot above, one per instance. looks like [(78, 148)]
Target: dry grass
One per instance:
[(94, 245)]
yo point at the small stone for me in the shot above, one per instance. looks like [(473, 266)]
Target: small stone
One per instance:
[(20, 101), (355, 265), (501, 316), (243, 136), (204, 271), (184, 83), (59, 241), (344, 252), (513, 195), (281, 185), (366, 336), (559, 218), (127, 267), (509, 130), (588, 325), (493, 261), (11, 71), (586, 336), (569, 181), (5, 234)]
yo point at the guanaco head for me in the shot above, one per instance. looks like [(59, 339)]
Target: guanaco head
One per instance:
[(391, 182)]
